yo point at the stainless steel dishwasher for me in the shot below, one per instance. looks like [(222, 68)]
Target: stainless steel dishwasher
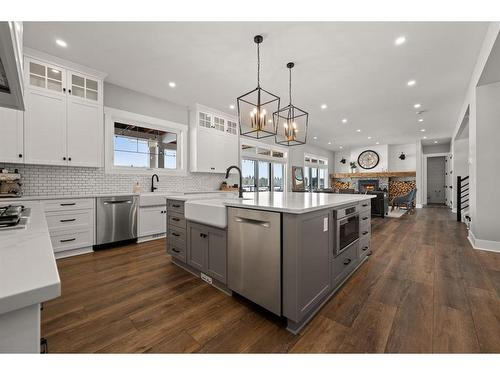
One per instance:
[(254, 256), (116, 219)]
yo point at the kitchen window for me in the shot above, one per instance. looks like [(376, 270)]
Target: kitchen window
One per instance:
[(144, 145)]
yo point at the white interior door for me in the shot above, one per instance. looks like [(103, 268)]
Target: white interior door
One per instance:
[(11, 139), (45, 128), (436, 180), (85, 133)]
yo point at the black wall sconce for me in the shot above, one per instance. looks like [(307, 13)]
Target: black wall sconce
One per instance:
[(402, 156), (343, 161)]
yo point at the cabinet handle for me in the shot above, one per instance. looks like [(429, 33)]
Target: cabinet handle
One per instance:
[(67, 204), (69, 159), (176, 205), (64, 157), (69, 91), (365, 248), (64, 89), (20, 155), (365, 232), (347, 261), (370, 253), (365, 205), (203, 235), (175, 250), (212, 168), (68, 240), (366, 217), (176, 219), (66, 220), (175, 234)]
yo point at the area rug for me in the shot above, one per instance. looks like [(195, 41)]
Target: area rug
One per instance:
[(397, 213)]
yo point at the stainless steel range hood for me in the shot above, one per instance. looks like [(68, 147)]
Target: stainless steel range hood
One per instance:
[(11, 65)]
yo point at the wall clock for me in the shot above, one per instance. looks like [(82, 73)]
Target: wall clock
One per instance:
[(368, 159)]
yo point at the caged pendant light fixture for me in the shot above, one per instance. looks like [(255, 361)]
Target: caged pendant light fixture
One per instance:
[(291, 122), (256, 108)]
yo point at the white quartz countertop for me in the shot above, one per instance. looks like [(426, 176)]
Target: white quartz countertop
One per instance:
[(295, 203), (28, 270)]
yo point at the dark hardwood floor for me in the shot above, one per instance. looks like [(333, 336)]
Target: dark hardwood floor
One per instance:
[(424, 290)]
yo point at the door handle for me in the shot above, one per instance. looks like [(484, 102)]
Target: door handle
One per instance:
[(117, 202), (262, 223)]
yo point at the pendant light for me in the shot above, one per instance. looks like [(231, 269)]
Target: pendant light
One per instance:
[(256, 108), (291, 122)]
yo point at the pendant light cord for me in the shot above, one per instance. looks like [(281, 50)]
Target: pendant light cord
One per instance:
[(290, 86), (258, 64)]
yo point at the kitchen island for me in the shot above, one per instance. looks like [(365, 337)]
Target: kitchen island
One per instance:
[(28, 277), (287, 252)]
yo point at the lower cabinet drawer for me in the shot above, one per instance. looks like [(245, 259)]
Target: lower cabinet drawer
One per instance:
[(344, 263), (58, 220), (176, 234), (364, 247), (364, 206), (365, 222), (177, 250), (68, 240), (176, 220), (68, 204)]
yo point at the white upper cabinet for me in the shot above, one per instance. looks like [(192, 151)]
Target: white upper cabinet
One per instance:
[(64, 116), (11, 139), (214, 143)]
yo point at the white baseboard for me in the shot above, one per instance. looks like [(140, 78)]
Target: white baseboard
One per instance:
[(151, 238), (70, 253), (454, 210), (479, 244)]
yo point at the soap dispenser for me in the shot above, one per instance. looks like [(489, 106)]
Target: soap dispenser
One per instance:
[(137, 188)]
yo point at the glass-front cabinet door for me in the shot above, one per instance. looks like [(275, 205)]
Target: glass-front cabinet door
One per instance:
[(43, 76), (83, 87)]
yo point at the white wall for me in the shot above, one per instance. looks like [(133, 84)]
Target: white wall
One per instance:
[(436, 149), (389, 158), (460, 164)]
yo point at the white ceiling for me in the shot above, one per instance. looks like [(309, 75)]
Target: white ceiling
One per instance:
[(355, 68)]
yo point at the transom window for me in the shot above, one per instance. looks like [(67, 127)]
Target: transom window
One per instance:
[(315, 172)]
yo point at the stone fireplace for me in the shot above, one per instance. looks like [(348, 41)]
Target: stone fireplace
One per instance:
[(367, 185)]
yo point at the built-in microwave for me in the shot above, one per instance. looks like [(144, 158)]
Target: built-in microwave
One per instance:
[(346, 228)]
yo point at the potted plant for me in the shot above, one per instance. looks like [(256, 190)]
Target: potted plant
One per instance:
[(353, 167)]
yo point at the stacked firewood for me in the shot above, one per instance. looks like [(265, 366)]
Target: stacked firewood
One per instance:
[(398, 188), (337, 184)]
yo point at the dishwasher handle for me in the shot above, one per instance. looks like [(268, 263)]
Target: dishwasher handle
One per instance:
[(117, 202), (244, 220)]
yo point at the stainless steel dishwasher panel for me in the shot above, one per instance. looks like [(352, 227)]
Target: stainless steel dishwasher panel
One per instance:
[(254, 256), (116, 219)]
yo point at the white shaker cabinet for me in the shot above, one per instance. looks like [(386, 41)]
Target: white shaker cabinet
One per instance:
[(64, 117), (214, 142), (12, 134), (45, 128), (152, 221)]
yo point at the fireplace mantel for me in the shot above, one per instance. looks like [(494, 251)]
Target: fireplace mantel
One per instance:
[(374, 174)]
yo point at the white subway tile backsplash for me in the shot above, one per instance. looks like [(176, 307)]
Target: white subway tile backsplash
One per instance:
[(54, 180)]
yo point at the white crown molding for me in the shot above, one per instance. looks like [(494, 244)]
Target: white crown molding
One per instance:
[(486, 245)]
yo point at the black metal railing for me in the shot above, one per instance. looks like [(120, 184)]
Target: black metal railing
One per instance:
[(462, 195)]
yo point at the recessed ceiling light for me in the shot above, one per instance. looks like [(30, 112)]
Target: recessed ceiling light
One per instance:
[(358, 130), (400, 40), (418, 105), (329, 143), (435, 141), (377, 143), (369, 137), (344, 120), (231, 106), (425, 137), (61, 43), (315, 137), (422, 130), (341, 147), (324, 106), (172, 84), (420, 120), (411, 82)]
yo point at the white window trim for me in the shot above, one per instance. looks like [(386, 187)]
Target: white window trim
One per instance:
[(112, 115), (315, 165), (256, 156)]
